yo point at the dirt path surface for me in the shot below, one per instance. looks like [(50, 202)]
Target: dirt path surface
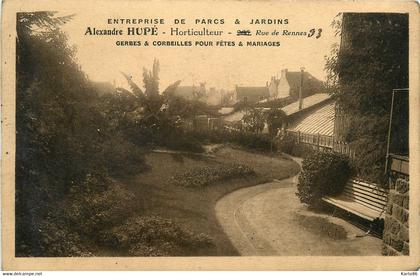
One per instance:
[(268, 219)]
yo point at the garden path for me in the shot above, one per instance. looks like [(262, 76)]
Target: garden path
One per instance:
[(268, 219)]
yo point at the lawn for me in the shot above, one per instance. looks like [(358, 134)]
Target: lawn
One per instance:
[(193, 207)]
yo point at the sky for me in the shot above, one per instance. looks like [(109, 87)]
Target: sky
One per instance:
[(220, 67)]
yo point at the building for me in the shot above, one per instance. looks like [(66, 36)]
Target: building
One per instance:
[(251, 94), (314, 123), (214, 96), (191, 92), (289, 83), (273, 88)]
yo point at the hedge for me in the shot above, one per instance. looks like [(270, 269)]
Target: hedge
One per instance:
[(323, 174)]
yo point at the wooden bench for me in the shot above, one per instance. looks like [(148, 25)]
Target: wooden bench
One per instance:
[(363, 199)]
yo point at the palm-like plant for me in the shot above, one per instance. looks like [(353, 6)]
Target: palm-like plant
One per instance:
[(150, 104)]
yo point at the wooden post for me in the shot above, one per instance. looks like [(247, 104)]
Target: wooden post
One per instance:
[(389, 132), (299, 137), (300, 88), (318, 141)]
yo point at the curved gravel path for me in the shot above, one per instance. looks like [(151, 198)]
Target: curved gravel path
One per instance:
[(269, 220)]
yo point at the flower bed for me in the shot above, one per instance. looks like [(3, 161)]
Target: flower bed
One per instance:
[(212, 175)]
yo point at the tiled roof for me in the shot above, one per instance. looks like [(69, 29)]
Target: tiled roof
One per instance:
[(307, 102), (319, 121), (311, 85), (288, 109), (235, 117), (253, 94), (225, 110)]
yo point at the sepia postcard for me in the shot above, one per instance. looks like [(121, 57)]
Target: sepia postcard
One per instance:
[(210, 135)]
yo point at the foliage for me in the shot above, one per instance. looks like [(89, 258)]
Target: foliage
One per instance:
[(155, 119), (287, 143), (275, 119), (212, 175), (89, 213), (182, 141), (63, 136), (371, 61), (58, 241), (187, 109), (254, 120), (52, 104), (154, 236), (323, 174), (72, 226), (121, 158)]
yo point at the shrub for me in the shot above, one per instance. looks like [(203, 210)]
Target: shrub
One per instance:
[(302, 150), (288, 144), (153, 236), (323, 174), (121, 158), (181, 141), (89, 213), (212, 175), (57, 240)]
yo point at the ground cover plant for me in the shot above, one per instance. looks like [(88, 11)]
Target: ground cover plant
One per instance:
[(212, 175)]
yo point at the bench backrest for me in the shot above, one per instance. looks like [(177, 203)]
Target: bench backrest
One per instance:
[(366, 194)]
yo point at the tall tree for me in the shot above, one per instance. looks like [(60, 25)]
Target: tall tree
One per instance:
[(56, 123), (371, 61)]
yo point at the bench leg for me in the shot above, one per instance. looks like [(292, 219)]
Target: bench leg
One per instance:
[(333, 213), (366, 233)]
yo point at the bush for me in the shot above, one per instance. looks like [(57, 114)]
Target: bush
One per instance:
[(57, 240), (302, 150), (212, 175), (91, 212), (121, 158), (288, 144), (154, 236), (181, 141), (323, 174)]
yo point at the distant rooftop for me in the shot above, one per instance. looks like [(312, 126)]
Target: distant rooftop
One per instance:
[(288, 109), (252, 93), (311, 85), (235, 117), (186, 91), (225, 110), (307, 102)]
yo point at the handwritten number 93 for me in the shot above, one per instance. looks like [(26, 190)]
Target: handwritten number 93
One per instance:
[(313, 31)]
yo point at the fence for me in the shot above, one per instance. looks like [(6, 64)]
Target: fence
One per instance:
[(323, 143)]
